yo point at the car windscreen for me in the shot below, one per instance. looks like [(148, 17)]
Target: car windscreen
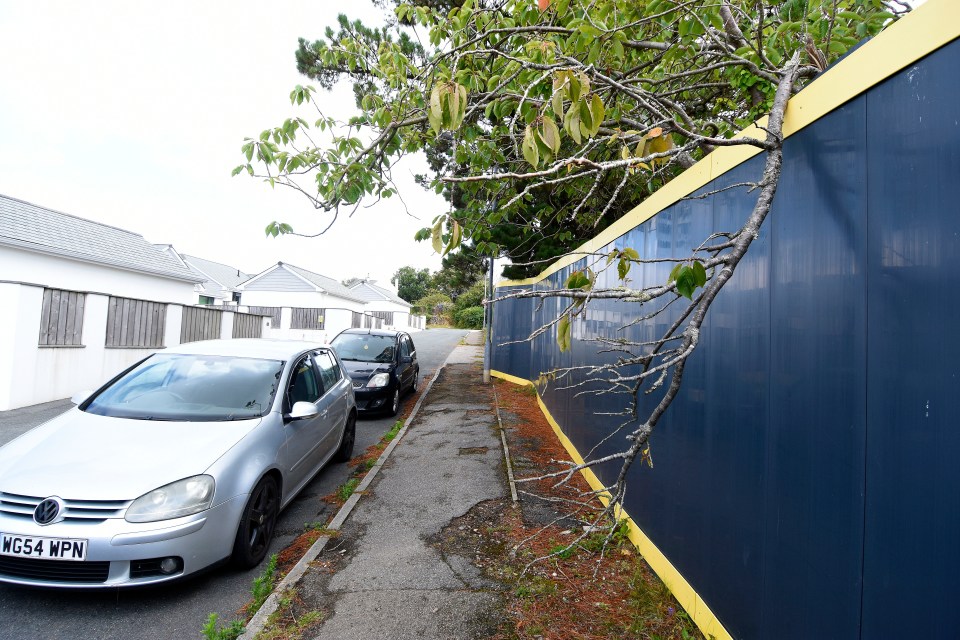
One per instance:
[(192, 388), (364, 347)]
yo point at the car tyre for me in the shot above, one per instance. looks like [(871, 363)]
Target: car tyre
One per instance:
[(416, 381), (394, 401), (345, 452), (257, 524)]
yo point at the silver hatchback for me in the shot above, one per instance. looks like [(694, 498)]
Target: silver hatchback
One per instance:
[(178, 463)]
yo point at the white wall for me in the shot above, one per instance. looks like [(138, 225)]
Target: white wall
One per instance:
[(75, 275), (306, 299), (31, 374), (334, 321)]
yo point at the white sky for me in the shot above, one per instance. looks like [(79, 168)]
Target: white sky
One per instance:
[(133, 113)]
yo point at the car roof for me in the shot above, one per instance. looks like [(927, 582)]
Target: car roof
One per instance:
[(247, 348), (372, 332)]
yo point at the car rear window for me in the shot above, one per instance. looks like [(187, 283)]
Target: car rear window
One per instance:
[(193, 388), (364, 347)]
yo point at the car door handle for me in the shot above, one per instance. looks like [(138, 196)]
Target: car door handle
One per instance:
[(323, 414)]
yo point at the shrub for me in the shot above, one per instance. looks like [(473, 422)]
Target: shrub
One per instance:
[(469, 318), (472, 297)]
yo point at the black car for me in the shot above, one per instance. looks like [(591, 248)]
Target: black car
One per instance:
[(383, 365)]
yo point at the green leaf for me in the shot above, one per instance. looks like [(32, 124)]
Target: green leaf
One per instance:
[(623, 268), (456, 233), (631, 253), (237, 170), (686, 282), (674, 273), (571, 122), (596, 113), (437, 237), (578, 280), (435, 109), (551, 134), (699, 273), (557, 103), (563, 333), (586, 117), (529, 147)]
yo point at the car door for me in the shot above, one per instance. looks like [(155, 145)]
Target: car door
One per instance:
[(407, 362), (304, 437), (335, 399)]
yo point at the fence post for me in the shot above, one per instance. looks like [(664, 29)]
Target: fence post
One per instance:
[(171, 334)]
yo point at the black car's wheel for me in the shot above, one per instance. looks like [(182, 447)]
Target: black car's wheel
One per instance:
[(394, 401), (416, 381), (257, 524), (345, 452)]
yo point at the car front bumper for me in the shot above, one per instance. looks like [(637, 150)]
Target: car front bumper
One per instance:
[(120, 553), (375, 399)]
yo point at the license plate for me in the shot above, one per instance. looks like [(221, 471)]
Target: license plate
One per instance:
[(19, 546)]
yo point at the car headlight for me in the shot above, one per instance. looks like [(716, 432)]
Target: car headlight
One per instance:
[(379, 380), (175, 500)]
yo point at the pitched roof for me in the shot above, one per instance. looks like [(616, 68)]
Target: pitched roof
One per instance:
[(329, 285), (225, 275), (375, 293), (34, 228)]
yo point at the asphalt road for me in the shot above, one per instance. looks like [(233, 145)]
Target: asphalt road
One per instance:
[(178, 610)]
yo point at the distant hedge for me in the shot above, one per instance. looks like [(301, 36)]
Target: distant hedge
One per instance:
[(469, 318)]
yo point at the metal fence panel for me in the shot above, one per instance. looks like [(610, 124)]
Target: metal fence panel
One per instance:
[(806, 481)]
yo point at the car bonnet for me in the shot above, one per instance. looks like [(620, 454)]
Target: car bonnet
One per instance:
[(81, 456)]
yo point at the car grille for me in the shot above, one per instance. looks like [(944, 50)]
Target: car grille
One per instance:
[(358, 384), (85, 511), (55, 570)]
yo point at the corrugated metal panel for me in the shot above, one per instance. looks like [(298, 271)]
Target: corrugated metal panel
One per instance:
[(912, 555), (809, 463)]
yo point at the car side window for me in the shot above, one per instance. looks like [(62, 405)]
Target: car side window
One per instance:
[(404, 346), (329, 370), (304, 385)]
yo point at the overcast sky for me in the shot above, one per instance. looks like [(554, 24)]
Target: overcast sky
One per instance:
[(133, 114)]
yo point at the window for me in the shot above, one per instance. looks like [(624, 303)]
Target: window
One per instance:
[(364, 347), (61, 318), (405, 347), (304, 386), (329, 370), (206, 299), (191, 388), (135, 323)]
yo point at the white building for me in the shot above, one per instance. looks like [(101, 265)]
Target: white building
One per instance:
[(220, 281), (384, 304), (304, 305), (80, 301)]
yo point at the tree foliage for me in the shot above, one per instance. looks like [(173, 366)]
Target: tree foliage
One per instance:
[(574, 113), (412, 284), (545, 121)]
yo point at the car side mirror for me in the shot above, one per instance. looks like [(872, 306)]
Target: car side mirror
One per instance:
[(302, 410), (80, 396)]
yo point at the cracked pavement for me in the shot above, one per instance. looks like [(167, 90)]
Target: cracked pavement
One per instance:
[(393, 582)]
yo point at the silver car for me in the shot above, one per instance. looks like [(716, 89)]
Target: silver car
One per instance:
[(178, 463)]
